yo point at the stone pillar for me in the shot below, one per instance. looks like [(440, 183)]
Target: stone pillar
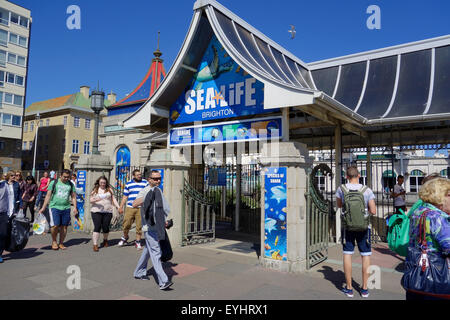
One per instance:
[(295, 157), (95, 167), (175, 167)]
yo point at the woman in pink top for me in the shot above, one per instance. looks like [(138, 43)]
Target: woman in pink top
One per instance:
[(102, 204), (43, 187)]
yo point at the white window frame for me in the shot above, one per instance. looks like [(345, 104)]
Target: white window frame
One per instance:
[(47, 123), (75, 146), (31, 126), (65, 121), (24, 145), (87, 145), (87, 123), (25, 127), (76, 122), (416, 184), (16, 62), (17, 43)]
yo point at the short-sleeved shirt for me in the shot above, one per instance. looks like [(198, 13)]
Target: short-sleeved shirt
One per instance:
[(368, 194), (132, 189), (400, 200), (61, 196)]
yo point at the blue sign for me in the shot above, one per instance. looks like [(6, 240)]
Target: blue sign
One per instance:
[(217, 177), (220, 89), (81, 194), (233, 131), (275, 202)]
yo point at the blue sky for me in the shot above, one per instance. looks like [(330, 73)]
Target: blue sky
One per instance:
[(117, 38)]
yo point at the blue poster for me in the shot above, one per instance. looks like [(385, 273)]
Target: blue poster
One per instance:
[(219, 89), (81, 195), (161, 185), (217, 177), (231, 131), (275, 205), (122, 167)]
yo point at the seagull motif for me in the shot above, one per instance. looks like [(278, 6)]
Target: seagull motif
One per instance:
[(292, 31)]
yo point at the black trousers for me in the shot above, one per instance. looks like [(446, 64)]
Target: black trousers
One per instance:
[(28, 204), (101, 220), (3, 230)]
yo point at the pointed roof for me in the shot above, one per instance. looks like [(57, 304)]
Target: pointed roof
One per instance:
[(148, 85)]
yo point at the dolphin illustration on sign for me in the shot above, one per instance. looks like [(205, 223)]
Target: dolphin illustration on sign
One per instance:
[(270, 225)]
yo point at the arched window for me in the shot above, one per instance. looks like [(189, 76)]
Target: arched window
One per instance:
[(320, 179), (389, 177), (415, 180)]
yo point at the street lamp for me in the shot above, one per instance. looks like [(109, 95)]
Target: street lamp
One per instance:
[(35, 143), (97, 105)]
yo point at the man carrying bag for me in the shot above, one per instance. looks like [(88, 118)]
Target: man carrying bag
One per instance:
[(154, 212)]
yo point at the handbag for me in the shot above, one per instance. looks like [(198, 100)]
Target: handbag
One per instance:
[(166, 249), (426, 273)]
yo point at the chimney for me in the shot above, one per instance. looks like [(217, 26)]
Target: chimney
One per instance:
[(112, 97), (85, 91)]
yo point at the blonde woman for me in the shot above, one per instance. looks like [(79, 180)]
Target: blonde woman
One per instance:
[(102, 201)]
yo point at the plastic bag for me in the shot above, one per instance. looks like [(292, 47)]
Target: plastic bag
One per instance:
[(40, 224), (18, 233)]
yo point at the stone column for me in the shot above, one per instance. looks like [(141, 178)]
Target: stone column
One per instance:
[(295, 157), (175, 167), (95, 167)]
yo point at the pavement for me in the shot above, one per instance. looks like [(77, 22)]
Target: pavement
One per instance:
[(227, 269)]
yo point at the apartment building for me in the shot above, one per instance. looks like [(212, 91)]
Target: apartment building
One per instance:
[(15, 26), (65, 130)]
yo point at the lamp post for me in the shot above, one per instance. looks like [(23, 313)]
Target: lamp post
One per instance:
[(97, 105), (35, 143)]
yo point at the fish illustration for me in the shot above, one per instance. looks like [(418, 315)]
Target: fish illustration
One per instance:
[(270, 225), (275, 254), (213, 70), (267, 247), (278, 193), (284, 209), (276, 241)]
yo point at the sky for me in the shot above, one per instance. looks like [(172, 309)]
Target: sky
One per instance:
[(116, 40)]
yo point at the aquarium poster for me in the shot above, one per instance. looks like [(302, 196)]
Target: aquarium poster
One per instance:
[(220, 89), (81, 195), (275, 205)]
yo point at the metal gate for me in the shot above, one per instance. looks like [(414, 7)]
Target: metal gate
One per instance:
[(198, 220), (318, 213)]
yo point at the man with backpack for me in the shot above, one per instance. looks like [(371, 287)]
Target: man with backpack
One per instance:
[(356, 201), (60, 193)]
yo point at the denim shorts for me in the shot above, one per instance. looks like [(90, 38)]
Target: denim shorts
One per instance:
[(59, 217), (362, 239)]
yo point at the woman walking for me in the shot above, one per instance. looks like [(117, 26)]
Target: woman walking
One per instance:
[(30, 193), (43, 188), (103, 202)]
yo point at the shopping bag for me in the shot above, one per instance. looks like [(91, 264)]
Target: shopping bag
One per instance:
[(398, 233), (166, 249), (40, 224), (18, 233), (426, 272)]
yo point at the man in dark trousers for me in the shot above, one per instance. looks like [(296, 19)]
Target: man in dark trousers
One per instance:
[(154, 212)]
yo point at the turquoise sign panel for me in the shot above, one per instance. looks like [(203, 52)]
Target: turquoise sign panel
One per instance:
[(219, 89), (275, 205)]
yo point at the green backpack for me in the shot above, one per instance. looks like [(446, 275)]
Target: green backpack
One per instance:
[(355, 218)]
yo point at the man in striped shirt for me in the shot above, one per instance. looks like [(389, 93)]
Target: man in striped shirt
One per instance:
[(132, 189)]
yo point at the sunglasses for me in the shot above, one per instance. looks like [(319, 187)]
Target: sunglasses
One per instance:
[(155, 178)]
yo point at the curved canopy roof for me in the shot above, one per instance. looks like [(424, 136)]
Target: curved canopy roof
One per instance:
[(406, 83)]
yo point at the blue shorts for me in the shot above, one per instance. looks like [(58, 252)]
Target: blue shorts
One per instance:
[(362, 239), (59, 217)]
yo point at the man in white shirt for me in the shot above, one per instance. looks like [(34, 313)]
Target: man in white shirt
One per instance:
[(399, 195)]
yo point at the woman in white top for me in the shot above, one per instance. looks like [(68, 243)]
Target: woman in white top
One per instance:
[(102, 204)]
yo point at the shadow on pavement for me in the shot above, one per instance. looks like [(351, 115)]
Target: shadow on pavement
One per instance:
[(389, 252), (69, 243), (23, 254), (337, 277), (168, 269)]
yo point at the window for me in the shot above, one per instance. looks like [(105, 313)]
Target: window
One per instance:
[(415, 180), (7, 119), (41, 123), (76, 122), (18, 100), (25, 127), (2, 145), (12, 58), (86, 147), (24, 145), (87, 123), (2, 80), (2, 58), (18, 40), (4, 17), (363, 178), (8, 98), (14, 18), (31, 126), (3, 37), (21, 61), (65, 121), (14, 79), (17, 121), (24, 22), (47, 122), (10, 78), (14, 38), (23, 41), (75, 146), (31, 145)]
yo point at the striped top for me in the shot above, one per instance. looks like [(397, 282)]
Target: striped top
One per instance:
[(132, 189)]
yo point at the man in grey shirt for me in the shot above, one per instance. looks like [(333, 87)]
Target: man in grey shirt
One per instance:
[(153, 230)]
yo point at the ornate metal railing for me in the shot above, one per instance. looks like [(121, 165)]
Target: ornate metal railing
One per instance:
[(198, 221)]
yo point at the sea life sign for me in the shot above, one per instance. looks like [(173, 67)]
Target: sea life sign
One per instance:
[(81, 185), (223, 132), (275, 202), (219, 89)]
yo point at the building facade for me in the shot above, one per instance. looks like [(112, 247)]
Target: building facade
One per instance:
[(64, 127), (15, 26)]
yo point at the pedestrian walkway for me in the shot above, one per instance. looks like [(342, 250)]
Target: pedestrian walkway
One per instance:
[(223, 270)]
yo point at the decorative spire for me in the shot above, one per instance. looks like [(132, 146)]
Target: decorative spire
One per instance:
[(157, 53)]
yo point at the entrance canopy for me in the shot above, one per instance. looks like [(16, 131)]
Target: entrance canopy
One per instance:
[(377, 93)]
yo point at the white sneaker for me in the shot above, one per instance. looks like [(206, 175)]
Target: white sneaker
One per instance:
[(138, 245), (122, 242)]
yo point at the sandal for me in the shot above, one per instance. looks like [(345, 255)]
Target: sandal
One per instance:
[(62, 247), (55, 246)]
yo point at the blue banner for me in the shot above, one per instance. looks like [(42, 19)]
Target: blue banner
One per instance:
[(233, 131), (81, 195), (217, 177), (275, 201), (220, 89)]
